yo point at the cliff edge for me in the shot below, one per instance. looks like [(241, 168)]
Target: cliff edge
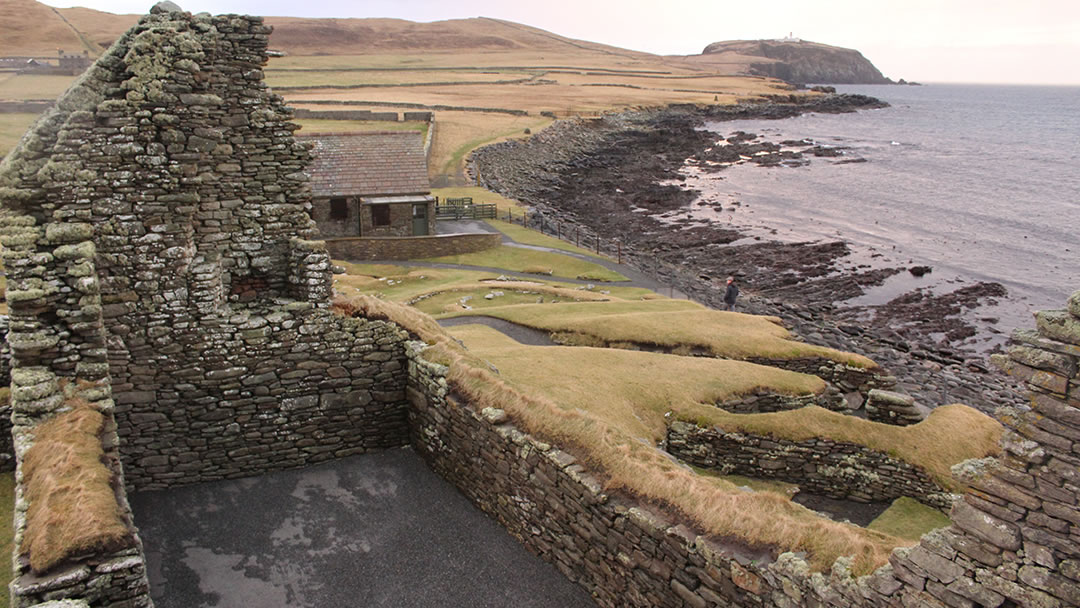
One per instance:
[(800, 61)]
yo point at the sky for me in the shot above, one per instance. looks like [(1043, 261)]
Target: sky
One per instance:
[(973, 41)]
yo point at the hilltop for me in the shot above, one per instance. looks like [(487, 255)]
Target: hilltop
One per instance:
[(796, 60)]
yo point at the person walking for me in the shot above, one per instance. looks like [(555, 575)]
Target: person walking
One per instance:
[(731, 293)]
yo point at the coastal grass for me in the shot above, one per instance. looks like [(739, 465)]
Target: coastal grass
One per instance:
[(406, 284), (909, 518), (518, 259), (7, 533), (450, 301), (12, 128), (72, 506), (605, 412), (673, 325)]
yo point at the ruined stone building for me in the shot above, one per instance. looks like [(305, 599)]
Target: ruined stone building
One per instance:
[(171, 324)]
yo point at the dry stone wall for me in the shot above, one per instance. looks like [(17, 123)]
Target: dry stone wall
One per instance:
[(117, 578), (1014, 538), (821, 466), (410, 248), (155, 238)]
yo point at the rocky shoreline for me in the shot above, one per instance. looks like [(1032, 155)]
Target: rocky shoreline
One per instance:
[(618, 177)]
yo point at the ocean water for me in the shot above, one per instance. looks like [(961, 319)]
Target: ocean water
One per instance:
[(981, 183)]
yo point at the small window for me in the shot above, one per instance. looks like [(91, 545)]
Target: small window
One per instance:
[(380, 215), (339, 209)]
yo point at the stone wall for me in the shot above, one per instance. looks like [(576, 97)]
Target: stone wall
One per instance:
[(410, 248), (821, 466), (337, 227), (1014, 538), (400, 220), (117, 578), (156, 247)]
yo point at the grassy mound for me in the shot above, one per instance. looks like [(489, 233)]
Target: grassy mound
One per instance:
[(672, 324), (73, 509), (519, 259)]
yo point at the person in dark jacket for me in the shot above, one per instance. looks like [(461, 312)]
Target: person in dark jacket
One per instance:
[(731, 293)]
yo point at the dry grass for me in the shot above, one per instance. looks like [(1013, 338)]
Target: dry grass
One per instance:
[(672, 324), (12, 128), (950, 434), (299, 77), (518, 259), (448, 301), (610, 417), (404, 284), (73, 509), (34, 86)]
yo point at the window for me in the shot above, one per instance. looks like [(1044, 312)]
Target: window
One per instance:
[(380, 215), (339, 209)]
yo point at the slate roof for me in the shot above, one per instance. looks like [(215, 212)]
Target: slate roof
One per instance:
[(372, 163)]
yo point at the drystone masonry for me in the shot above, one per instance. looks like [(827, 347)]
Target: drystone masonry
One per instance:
[(412, 247), (1014, 538), (158, 248), (822, 466)]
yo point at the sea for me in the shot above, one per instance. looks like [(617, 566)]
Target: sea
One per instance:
[(978, 182)]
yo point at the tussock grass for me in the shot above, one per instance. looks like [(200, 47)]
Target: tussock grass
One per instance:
[(609, 411), (672, 324), (909, 518), (518, 259), (448, 301), (73, 509)]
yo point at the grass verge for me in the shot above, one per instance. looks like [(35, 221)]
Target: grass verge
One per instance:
[(672, 324), (518, 259), (909, 518), (528, 236)]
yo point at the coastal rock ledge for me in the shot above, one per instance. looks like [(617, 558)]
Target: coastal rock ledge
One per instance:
[(801, 61)]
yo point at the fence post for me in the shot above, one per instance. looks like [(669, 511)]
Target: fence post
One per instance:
[(577, 235), (597, 243), (620, 251), (558, 230)]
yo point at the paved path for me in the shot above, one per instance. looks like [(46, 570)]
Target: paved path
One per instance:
[(378, 530)]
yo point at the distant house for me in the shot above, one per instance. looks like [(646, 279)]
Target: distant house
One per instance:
[(370, 184)]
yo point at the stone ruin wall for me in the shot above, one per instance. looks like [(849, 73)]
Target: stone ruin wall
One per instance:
[(158, 268), (821, 466), (1014, 538), (155, 238)]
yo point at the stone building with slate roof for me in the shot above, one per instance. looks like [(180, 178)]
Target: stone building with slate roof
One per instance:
[(371, 184)]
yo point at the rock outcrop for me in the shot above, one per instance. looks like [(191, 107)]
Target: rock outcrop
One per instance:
[(800, 61)]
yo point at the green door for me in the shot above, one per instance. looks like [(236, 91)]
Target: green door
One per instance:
[(419, 220)]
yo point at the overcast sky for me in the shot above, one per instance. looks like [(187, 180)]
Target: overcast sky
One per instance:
[(987, 41)]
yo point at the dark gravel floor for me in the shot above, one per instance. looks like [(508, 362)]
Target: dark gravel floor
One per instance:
[(373, 530)]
